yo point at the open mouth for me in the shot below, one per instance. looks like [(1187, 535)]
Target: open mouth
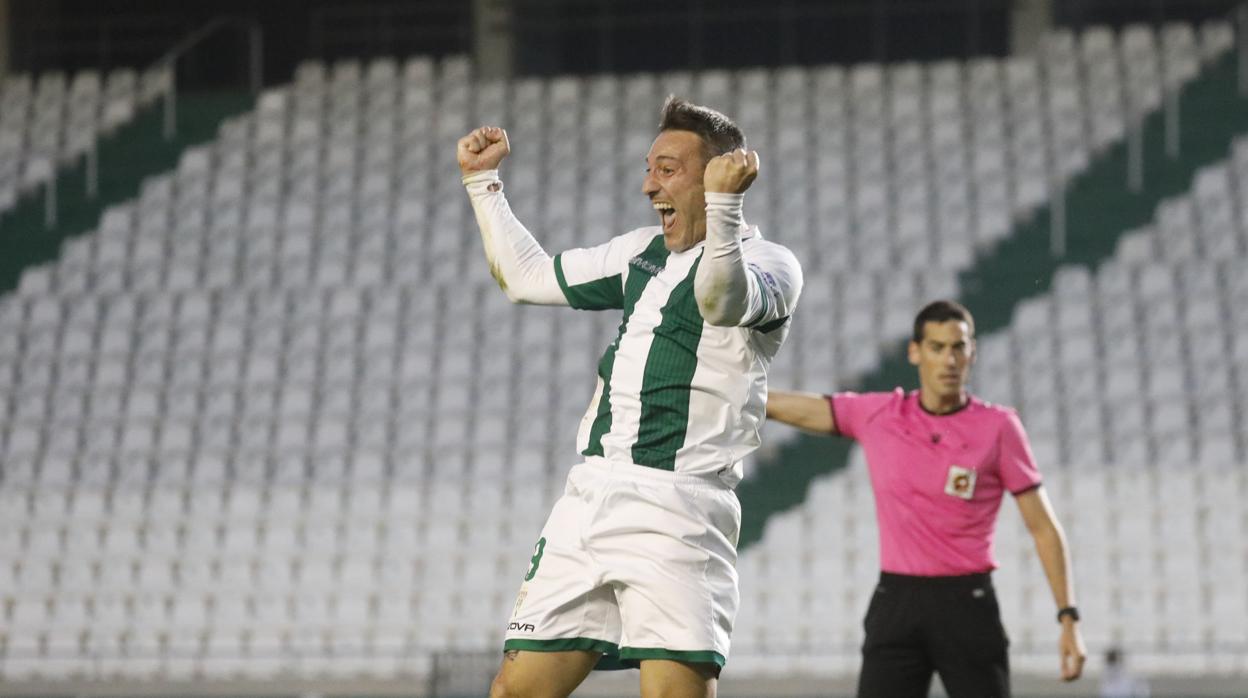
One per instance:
[(667, 214)]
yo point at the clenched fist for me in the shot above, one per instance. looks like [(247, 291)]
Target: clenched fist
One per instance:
[(483, 149), (731, 173)]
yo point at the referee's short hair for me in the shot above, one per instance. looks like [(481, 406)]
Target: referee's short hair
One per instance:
[(719, 134), (942, 311)]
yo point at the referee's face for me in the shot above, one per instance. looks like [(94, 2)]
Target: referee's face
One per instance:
[(673, 183), (944, 360)]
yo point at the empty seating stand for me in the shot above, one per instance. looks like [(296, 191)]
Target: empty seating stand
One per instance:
[(54, 118), (270, 418)]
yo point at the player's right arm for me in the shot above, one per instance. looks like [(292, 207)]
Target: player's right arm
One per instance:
[(807, 411), (517, 262)]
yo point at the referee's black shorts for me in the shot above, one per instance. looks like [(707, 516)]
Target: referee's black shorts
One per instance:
[(947, 625)]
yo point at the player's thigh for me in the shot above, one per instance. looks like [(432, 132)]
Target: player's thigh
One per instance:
[(542, 674), (676, 580), (683, 617), (561, 605), (664, 678)]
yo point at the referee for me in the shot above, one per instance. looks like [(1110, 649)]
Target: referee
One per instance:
[(940, 461)]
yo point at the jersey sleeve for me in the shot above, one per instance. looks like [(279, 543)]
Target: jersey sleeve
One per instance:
[(517, 262), (851, 412), (757, 288), (847, 409), (1015, 460), (775, 283), (592, 278)]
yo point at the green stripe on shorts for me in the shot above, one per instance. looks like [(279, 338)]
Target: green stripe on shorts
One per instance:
[(568, 644), (696, 657)]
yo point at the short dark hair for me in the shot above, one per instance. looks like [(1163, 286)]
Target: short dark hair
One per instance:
[(719, 134), (942, 311)]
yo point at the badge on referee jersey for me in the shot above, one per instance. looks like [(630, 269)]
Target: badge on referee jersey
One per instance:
[(961, 482)]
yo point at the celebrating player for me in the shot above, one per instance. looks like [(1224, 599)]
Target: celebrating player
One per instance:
[(637, 560), (940, 460)]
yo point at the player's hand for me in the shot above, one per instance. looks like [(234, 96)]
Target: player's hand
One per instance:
[(483, 149), (1073, 651), (731, 173)]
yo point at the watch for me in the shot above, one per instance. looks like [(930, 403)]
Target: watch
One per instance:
[(1071, 611)]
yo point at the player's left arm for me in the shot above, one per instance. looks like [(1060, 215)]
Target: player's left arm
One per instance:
[(730, 289), (1054, 556)]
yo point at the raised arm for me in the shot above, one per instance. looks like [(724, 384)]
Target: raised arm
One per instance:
[(517, 262), (724, 288), (722, 284), (1050, 543), (807, 411)]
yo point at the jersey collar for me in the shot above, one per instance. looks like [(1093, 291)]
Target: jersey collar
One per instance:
[(918, 401)]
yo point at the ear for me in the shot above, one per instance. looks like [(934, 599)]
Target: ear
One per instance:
[(912, 352), (974, 354)]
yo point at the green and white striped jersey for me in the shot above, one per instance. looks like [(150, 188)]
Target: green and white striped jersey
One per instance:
[(674, 391)]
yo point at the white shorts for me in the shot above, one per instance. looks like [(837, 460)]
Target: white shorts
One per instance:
[(636, 563)]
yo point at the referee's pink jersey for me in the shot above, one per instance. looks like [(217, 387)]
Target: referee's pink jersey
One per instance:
[(938, 479)]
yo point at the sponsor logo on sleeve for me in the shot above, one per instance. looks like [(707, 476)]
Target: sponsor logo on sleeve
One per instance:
[(767, 277)]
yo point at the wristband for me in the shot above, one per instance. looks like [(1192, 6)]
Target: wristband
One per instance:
[(1071, 611)]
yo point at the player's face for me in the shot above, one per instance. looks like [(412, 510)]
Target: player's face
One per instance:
[(944, 358), (674, 168)]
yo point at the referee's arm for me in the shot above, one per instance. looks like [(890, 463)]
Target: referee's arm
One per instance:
[(1055, 558), (806, 411)]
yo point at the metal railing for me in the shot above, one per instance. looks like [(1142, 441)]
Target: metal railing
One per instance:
[(1172, 128), (169, 61), (167, 65)]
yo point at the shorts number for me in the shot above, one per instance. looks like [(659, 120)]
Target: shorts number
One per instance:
[(537, 558)]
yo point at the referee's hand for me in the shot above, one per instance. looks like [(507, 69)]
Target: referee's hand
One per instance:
[(1073, 651), (483, 149)]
